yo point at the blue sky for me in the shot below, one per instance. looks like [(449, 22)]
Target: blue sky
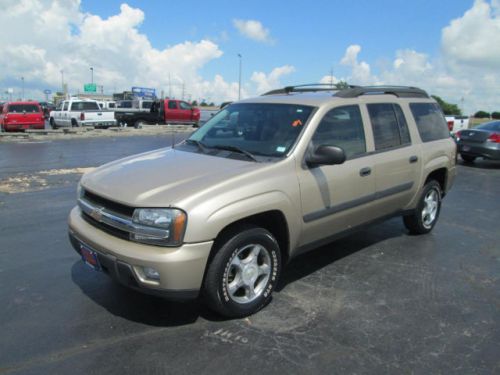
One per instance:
[(311, 35), (447, 47)]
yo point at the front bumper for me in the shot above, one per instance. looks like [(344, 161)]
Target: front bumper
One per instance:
[(181, 269)]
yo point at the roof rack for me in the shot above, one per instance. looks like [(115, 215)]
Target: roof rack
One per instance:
[(399, 91), (311, 87)]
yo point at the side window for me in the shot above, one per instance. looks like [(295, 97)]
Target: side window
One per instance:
[(172, 104), (184, 105), (65, 106), (385, 126), (342, 127), (430, 120)]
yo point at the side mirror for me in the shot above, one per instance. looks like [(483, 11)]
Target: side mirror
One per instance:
[(325, 155)]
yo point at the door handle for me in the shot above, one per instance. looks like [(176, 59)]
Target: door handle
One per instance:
[(365, 171), (413, 159)]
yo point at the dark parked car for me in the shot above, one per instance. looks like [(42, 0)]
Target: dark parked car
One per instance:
[(482, 141)]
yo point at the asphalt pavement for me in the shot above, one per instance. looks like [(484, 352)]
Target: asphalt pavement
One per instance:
[(380, 301)]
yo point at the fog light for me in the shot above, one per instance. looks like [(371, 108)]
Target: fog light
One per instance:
[(150, 273)]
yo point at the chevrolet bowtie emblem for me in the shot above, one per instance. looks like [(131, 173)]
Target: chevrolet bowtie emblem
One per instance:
[(96, 213)]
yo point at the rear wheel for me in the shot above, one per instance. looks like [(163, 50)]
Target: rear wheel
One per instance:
[(427, 212), (243, 272), (52, 123), (74, 124), (138, 124), (468, 158)]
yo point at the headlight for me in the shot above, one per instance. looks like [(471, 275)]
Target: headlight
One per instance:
[(171, 220)]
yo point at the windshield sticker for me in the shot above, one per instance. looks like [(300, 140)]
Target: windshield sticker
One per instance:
[(280, 149), (296, 123), (299, 110)]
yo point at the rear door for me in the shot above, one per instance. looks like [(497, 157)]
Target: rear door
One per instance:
[(64, 119), (334, 197), (397, 161)]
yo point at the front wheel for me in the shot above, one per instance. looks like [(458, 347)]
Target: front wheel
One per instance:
[(52, 123), (427, 212), (243, 272)]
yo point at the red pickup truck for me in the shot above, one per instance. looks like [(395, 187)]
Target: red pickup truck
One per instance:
[(164, 111), (16, 116)]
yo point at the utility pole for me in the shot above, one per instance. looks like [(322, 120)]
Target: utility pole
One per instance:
[(183, 86), (239, 80), (169, 86), (91, 75), (331, 77), (22, 80)]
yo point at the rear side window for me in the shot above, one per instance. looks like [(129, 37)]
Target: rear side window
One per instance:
[(84, 106), (389, 125), (430, 120), (20, 108), (172, 104), (342, 127), (184, 105)]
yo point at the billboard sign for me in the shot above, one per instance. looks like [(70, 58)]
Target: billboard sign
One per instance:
[(144, 92), (90, 87)]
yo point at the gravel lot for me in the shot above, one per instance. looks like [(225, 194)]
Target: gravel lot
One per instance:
[(379, 301)]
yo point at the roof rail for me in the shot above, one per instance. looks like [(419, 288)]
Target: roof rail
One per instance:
[(399, 91), (311, 87)]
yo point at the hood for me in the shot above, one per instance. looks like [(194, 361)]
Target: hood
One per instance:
[(162, 177)]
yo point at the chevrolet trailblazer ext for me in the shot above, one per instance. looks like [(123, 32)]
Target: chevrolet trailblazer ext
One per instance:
[(262, 181)]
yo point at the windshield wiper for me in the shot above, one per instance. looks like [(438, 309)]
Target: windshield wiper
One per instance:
[(200, 145), (236, 149)]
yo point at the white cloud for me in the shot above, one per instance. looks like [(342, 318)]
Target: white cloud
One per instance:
[(253, 29), (62, 37), (266, 82), (474, 38), (360, 71)]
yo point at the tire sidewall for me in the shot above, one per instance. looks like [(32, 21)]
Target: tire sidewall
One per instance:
[(221, 266), (433, 185)]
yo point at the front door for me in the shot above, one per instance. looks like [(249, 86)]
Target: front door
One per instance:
[(335, 198)]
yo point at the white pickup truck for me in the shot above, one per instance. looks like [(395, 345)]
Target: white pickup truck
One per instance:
[(457, 122), (81, 112)]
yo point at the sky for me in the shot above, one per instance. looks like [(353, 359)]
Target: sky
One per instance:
[(450, 48)]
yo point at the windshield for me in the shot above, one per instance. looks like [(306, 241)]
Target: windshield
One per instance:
[(258, 128)]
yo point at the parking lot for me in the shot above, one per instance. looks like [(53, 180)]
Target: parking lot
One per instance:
[(378, 301)]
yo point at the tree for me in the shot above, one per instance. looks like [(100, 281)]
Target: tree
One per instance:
[(194, 103), (482, 114), (212, 104), (341, 85), (495, 115), (203, 104), (448, 108)]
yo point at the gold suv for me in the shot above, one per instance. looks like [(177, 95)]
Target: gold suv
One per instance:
[(264, 180)]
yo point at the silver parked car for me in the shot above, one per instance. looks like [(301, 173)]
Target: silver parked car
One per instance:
[(482, 141)]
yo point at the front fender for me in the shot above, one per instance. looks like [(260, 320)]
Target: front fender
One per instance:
[(206, 227)]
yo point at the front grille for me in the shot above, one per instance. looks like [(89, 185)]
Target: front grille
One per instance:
[(105, 227), (113, 206)]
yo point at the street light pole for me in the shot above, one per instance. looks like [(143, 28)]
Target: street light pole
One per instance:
[(22, 80), (239, 80), (91, 75)]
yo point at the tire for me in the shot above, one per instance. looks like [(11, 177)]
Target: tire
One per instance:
[(243, 273), (52, 123), (138, 125), (468, 158), (74, 124), (422, 221)]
